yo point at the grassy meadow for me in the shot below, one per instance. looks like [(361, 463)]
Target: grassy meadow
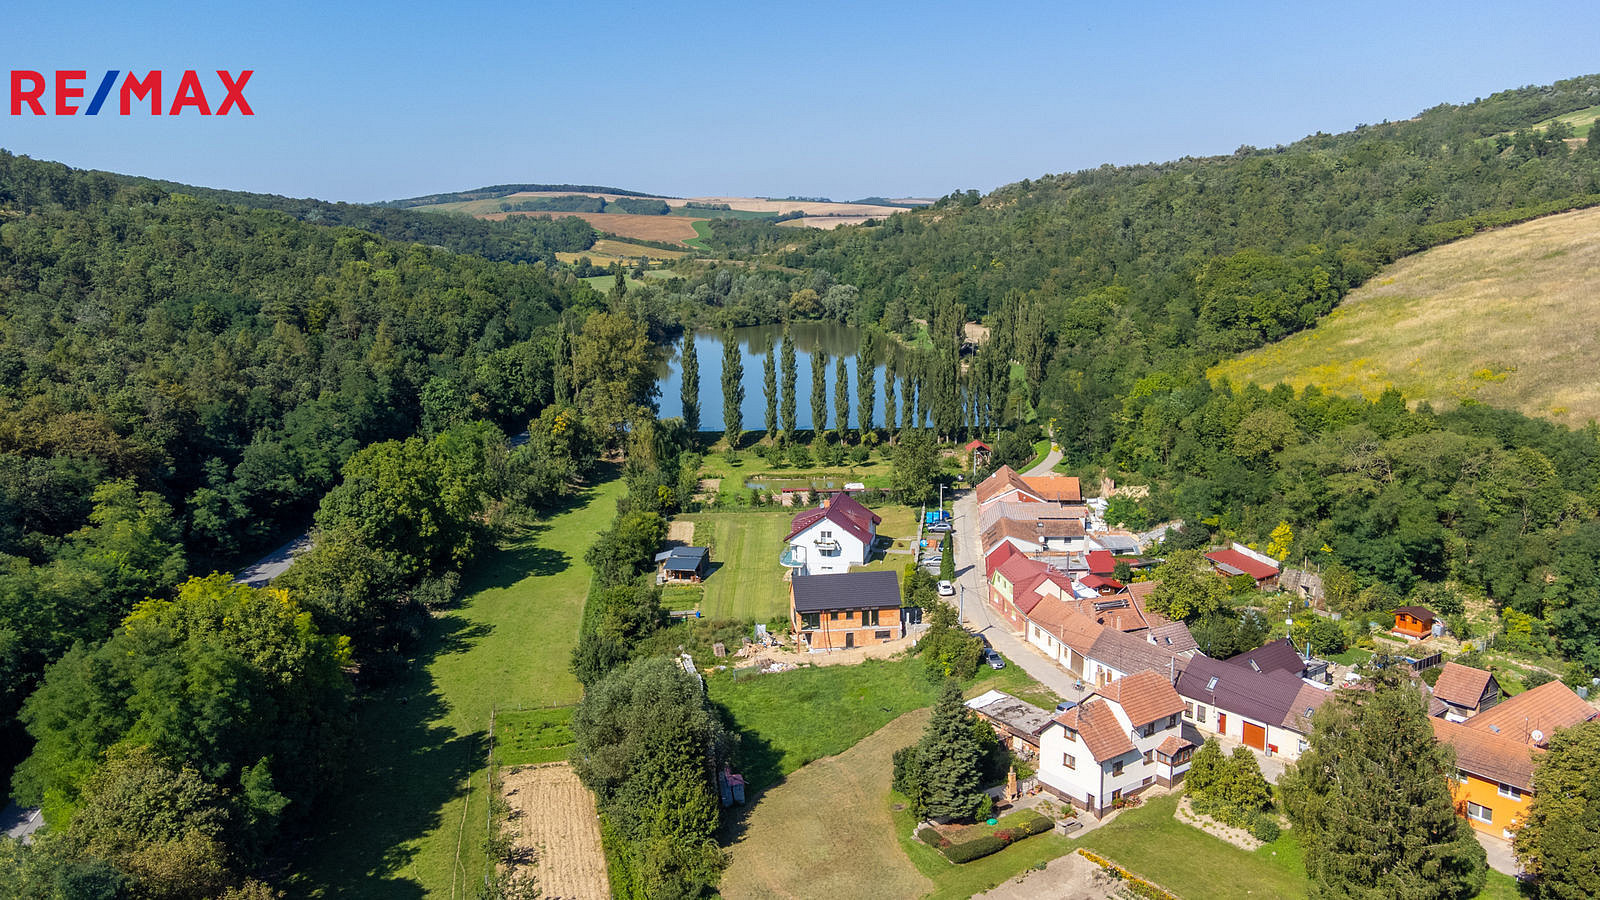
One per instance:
[(1506, 318), (409, 821), (747, 581)]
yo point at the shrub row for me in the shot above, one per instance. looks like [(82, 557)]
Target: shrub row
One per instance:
[(1014, 827)]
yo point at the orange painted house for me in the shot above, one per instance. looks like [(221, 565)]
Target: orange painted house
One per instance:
[(1415, 622), (845, 609)]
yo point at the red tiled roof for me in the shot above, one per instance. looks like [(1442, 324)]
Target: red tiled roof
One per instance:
[(1101, 562), (1055, 488), (1542, 709), (1232, 558), (1004, 480), (1102, 733), (998, 557), (1461, 685), (1489, 756), (1172, 745), (1096, 582), (1144, 696), (975, 444)]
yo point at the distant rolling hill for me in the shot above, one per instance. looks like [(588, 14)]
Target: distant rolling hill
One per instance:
[(1509, 317)]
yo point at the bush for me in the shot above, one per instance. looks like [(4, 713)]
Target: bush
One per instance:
[(1030, 822), (976, 848), (931, 837), (1264, 828)]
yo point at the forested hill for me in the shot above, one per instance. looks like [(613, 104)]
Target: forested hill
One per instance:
[(1141, 267), (182, 379), (495, 191), (522, 239)]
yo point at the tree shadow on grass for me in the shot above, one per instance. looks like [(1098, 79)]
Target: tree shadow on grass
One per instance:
[(359, 841), (761, 764)]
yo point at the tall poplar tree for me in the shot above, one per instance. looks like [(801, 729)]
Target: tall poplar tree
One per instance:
[(691, 384), (866, 385), (908, 399), (732, 390), (890, 414), (769, 383), (819, 392), (563, 366), (841, 397), (1371, 799), (791, 375)]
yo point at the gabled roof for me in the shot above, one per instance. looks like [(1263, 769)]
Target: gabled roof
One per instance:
[(1278, 656), (1101, 581), (1139, 592), (998, 556), (1542, 709), (1131, 653), (845, 591), (1420, 613), (975, 444), (1266, 697), (1173, 745), (1232, 562), (1055, 488), (1173, 636), (1062, 620), (1461, 685), (841, 510), (1004, 480), (1097, 724), (1489, 756), (1026, 577), (1031, 531), (1101, 562), (852, 508), (1027, 511), (1112, 610), (683, 559), (1145, 697)]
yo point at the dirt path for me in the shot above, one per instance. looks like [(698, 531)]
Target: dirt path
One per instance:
[(1069, 877), (826, 832), (555, 824)]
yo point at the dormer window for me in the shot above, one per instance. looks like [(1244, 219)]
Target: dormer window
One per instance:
[(1212, 684)]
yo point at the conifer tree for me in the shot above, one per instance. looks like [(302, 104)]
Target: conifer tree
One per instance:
[(691, 384), (946, 761), (819, 393), (769, 383), (732, 390), (841, 397), (1559, 841), (1371, 800), (791, 375)]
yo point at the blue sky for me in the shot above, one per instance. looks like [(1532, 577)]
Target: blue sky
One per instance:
[(369, 101)]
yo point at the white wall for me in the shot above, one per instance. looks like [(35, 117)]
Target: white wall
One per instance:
[(1286, 740), (852, 552), (1094, 777)]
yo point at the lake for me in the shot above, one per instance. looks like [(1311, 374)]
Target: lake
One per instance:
[(830, 338)]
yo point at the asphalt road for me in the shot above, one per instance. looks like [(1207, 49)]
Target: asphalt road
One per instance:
[(980, 618)]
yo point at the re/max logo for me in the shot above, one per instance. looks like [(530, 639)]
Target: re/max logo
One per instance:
[(28, 90)]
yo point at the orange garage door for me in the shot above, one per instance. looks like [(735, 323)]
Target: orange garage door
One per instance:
[(1255, 736)]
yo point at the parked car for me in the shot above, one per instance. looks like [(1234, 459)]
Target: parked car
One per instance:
[(941, 528), (946, 589), (995, 660)]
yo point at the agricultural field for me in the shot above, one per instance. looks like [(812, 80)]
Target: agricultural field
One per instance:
[(554, 824), (607, 250), (1581, 121), (668, 229), (1506, 318), (826, 223), (409, 821)]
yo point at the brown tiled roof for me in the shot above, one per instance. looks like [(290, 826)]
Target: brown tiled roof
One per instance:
[(1126, 617), (1063, 621), (1140, 592), (1173, 636), (1102, 733), (1016, 509), (1489, 756), (1004, 479), (1543, 709), (1420, 613), (1132, 653), (1461, 685), (1306, 703), (1144, 696), (1172, 745), (1055, 488)]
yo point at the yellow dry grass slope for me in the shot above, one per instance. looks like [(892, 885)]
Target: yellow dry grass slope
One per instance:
[(826, 832), (553, 820), (1510, 318)]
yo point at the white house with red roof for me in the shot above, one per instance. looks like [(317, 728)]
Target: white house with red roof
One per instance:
[(831, 538), (1123, 738)]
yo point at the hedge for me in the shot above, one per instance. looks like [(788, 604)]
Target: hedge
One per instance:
[(1009, 830)]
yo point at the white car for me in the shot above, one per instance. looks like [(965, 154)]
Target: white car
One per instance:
[(946, 589)]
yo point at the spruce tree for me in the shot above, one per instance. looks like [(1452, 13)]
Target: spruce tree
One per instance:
[(769, 383), (1371, 799), (819, 393), (791, 375), (947, 760), (841, 397), (691, 384), (732, 390)]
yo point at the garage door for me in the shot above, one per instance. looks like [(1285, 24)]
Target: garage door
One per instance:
[(1255, 736)]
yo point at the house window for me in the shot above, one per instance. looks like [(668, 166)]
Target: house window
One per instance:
[(1188, 710), (833, 617), (1148, 730), (1479, 813), (810, 620), (1510, 792), (1461, 776), (881, 635), (1068, 760), (869, 618), (1149, 757), (1200, 714), (1304, 745), (1172, 721), (826, 535), (1116, 767)]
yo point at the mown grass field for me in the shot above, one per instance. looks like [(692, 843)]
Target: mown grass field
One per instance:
[(409, 821), (1506, 318), (530, 736), (747, 582)]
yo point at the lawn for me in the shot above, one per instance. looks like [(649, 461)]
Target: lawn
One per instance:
[(964, 880), (409, 820), (1150, 842), (1469, 320), (746, 581)]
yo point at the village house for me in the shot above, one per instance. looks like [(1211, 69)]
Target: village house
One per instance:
[(1006, 485), (831, 538), (1096, 653), (1462, 692), (846, 609), (1265, 707), (1041, 535), (1019, 583), (683, 565), (1241, 560), (1016, 723), (1416, 622), (1495, 753), (978, 453), (1123, 738)]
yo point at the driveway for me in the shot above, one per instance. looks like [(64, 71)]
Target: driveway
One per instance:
[(1047, 465), (972, 599), (1501, 857)]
